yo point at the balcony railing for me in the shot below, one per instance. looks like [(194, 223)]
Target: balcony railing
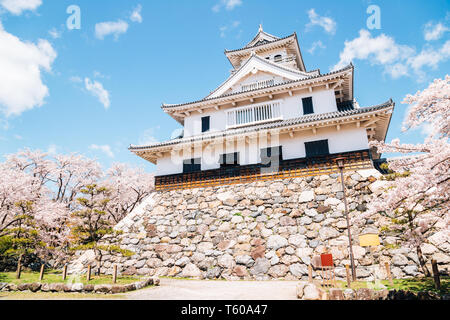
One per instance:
[(257, 85), (254, 114), (285, 59)]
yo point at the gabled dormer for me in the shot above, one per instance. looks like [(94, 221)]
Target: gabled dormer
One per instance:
[(256, 73), (284, 51), (261, 38)]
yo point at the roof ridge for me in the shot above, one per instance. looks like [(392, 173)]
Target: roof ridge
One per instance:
[(280, 84), (271, 125), (246, 48), (260, 31)]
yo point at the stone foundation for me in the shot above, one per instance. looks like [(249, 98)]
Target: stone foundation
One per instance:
[(309, 291), (261, 230), (79, 287)]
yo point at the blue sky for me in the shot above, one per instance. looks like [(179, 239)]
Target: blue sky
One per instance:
[(98, 89)]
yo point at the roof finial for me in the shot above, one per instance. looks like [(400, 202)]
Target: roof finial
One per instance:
[(260, 28)]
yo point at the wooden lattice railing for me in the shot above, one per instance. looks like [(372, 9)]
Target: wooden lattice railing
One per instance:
[(296, 168)]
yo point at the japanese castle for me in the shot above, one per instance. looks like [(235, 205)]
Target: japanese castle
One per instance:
[(270, 119)]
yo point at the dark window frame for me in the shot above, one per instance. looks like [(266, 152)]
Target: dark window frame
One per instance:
[(206, 126), (192, 165), (308, 105), (224, 159), (317, 148), (267, 156)]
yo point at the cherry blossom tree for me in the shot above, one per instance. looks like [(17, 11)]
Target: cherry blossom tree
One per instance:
[(417, 192), (128, 187), (15, 186), (55, 182), (52, 187)]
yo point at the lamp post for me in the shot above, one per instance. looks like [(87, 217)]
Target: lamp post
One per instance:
[(340, 164)]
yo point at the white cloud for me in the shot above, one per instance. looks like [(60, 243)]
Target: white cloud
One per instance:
[(397, 70), (16, 7), (52, 149), (429, 57), (228, 4), (106, 149), (148, 137), (315, 45), (434, 32), (98, 74), (327, 23), (104, 29), (96, 88), (398, 60), (224, 29), (76, 79), (4, 124), (379, 50), (136, 14), (21, 63), (55, 34)]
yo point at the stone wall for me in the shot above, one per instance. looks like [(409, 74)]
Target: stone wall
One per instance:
[(261, 230)]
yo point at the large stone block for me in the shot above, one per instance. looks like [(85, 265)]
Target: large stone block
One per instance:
[(260, 267), (306, 196), (191, 271)]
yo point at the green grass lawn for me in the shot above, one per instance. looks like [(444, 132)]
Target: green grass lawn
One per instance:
[(26, 295), (412, 284), (52, 277)]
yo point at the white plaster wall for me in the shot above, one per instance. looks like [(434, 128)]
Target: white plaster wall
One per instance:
[(323, 101), (169, 165), (349, 138), (193, 123)]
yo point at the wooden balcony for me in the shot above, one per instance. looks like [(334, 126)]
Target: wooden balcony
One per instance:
[(254, 114), (257, 85), (296, 168)]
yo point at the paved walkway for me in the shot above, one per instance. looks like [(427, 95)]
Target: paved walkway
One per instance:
[(173, 289)]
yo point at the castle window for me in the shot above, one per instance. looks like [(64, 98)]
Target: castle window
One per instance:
[(271, 157), (277, 58), (317, 148), (307, 106), (205, 123), (192, 165), (229, 159)]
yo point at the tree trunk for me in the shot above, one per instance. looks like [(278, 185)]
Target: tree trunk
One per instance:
[(98, 259), (19, 267), (422, 262)]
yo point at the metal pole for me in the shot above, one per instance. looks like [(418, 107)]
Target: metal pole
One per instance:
[(352, 261)]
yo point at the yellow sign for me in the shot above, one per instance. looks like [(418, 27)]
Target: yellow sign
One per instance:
[(369, 240)]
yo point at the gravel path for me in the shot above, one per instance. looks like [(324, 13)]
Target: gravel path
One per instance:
[(173, 289)]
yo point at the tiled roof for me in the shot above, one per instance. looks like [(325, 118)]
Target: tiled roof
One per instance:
[(166, 106), (259, 45), (272, 125), (276, 65)]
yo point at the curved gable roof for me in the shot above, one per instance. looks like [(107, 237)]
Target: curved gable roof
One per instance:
[(260, 64), (260, 37)]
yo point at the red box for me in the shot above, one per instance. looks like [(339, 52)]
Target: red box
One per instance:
[(327, 260)]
